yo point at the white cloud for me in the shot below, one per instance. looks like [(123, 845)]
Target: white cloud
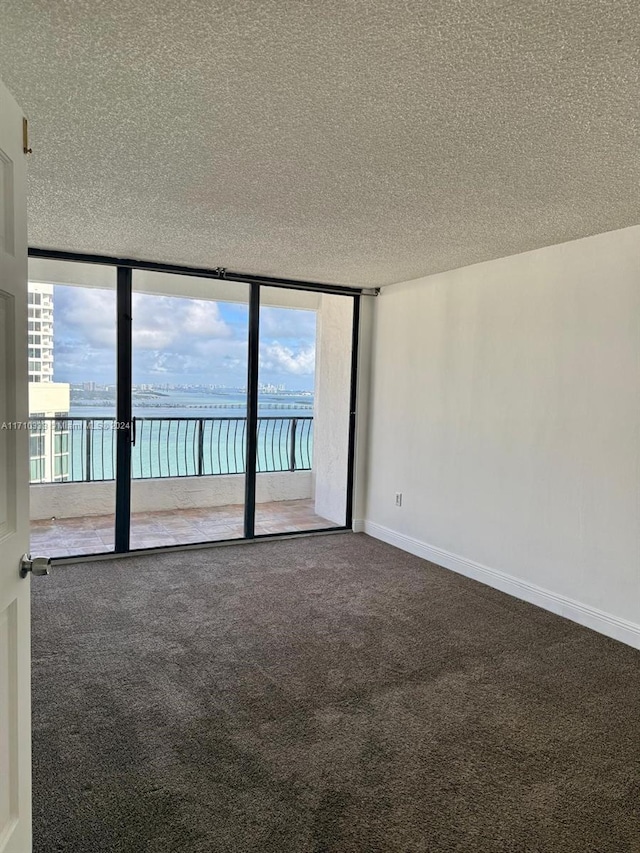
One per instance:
[(283, 359), (284, 323), (203, 320), (178, 339), (154, 339), (167, 322), (159, 322), (86, 313)]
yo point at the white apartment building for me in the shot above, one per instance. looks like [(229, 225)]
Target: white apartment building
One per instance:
[(40, 332), (48, 400), (49, 431)]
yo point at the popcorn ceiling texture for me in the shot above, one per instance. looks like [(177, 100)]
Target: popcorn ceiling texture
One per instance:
[(349, 142)]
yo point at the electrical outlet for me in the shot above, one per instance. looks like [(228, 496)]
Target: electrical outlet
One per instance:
[(398, 498)]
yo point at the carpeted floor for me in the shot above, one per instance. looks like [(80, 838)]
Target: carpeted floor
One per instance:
[(323, 695)]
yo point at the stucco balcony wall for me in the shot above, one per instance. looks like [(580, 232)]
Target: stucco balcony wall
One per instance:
[(72, 500)]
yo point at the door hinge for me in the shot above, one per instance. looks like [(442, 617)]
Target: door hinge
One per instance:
[(25, 137)]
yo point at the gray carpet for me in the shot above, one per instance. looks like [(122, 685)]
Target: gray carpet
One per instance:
[(323, 695)]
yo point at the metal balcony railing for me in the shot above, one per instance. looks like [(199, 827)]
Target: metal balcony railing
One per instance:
[(83, 449)]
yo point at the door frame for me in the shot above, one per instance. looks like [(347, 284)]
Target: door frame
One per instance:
[(16, 568), (124, 351)]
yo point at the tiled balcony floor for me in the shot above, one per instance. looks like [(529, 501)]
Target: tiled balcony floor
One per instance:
[(65, 537)]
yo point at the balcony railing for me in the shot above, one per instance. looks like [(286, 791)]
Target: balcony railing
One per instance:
[(83, 449)]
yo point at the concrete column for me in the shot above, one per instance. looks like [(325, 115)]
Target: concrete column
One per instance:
[(331, 411)]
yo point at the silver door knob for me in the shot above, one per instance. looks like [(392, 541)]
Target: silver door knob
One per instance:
[(36, 565)]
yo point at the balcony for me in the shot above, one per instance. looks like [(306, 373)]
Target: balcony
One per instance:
[(61, 537), (187, 481)]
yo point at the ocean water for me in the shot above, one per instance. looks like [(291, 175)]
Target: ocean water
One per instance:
[(178, 404), (186, 434)]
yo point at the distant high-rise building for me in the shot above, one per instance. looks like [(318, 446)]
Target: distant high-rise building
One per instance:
[(48, 400), (40, 332)]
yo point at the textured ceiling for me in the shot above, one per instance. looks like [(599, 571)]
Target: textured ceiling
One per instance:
[(353, 142)]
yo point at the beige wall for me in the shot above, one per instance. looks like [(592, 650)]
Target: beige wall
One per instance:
[(505, 406)]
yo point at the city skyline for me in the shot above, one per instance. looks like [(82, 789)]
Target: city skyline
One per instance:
[(267, 388)]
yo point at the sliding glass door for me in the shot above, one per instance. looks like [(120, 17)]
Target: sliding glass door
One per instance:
[(171, 408), (188, 394)]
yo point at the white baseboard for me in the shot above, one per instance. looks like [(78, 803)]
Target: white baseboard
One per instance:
[(357, 525), (605, 623)]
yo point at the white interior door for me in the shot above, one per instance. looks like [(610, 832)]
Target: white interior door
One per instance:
[(15, 704)]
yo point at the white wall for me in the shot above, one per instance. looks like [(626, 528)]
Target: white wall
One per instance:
[(505, 406), (331, 406)]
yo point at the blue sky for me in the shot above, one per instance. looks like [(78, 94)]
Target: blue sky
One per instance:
[(179, 341)]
